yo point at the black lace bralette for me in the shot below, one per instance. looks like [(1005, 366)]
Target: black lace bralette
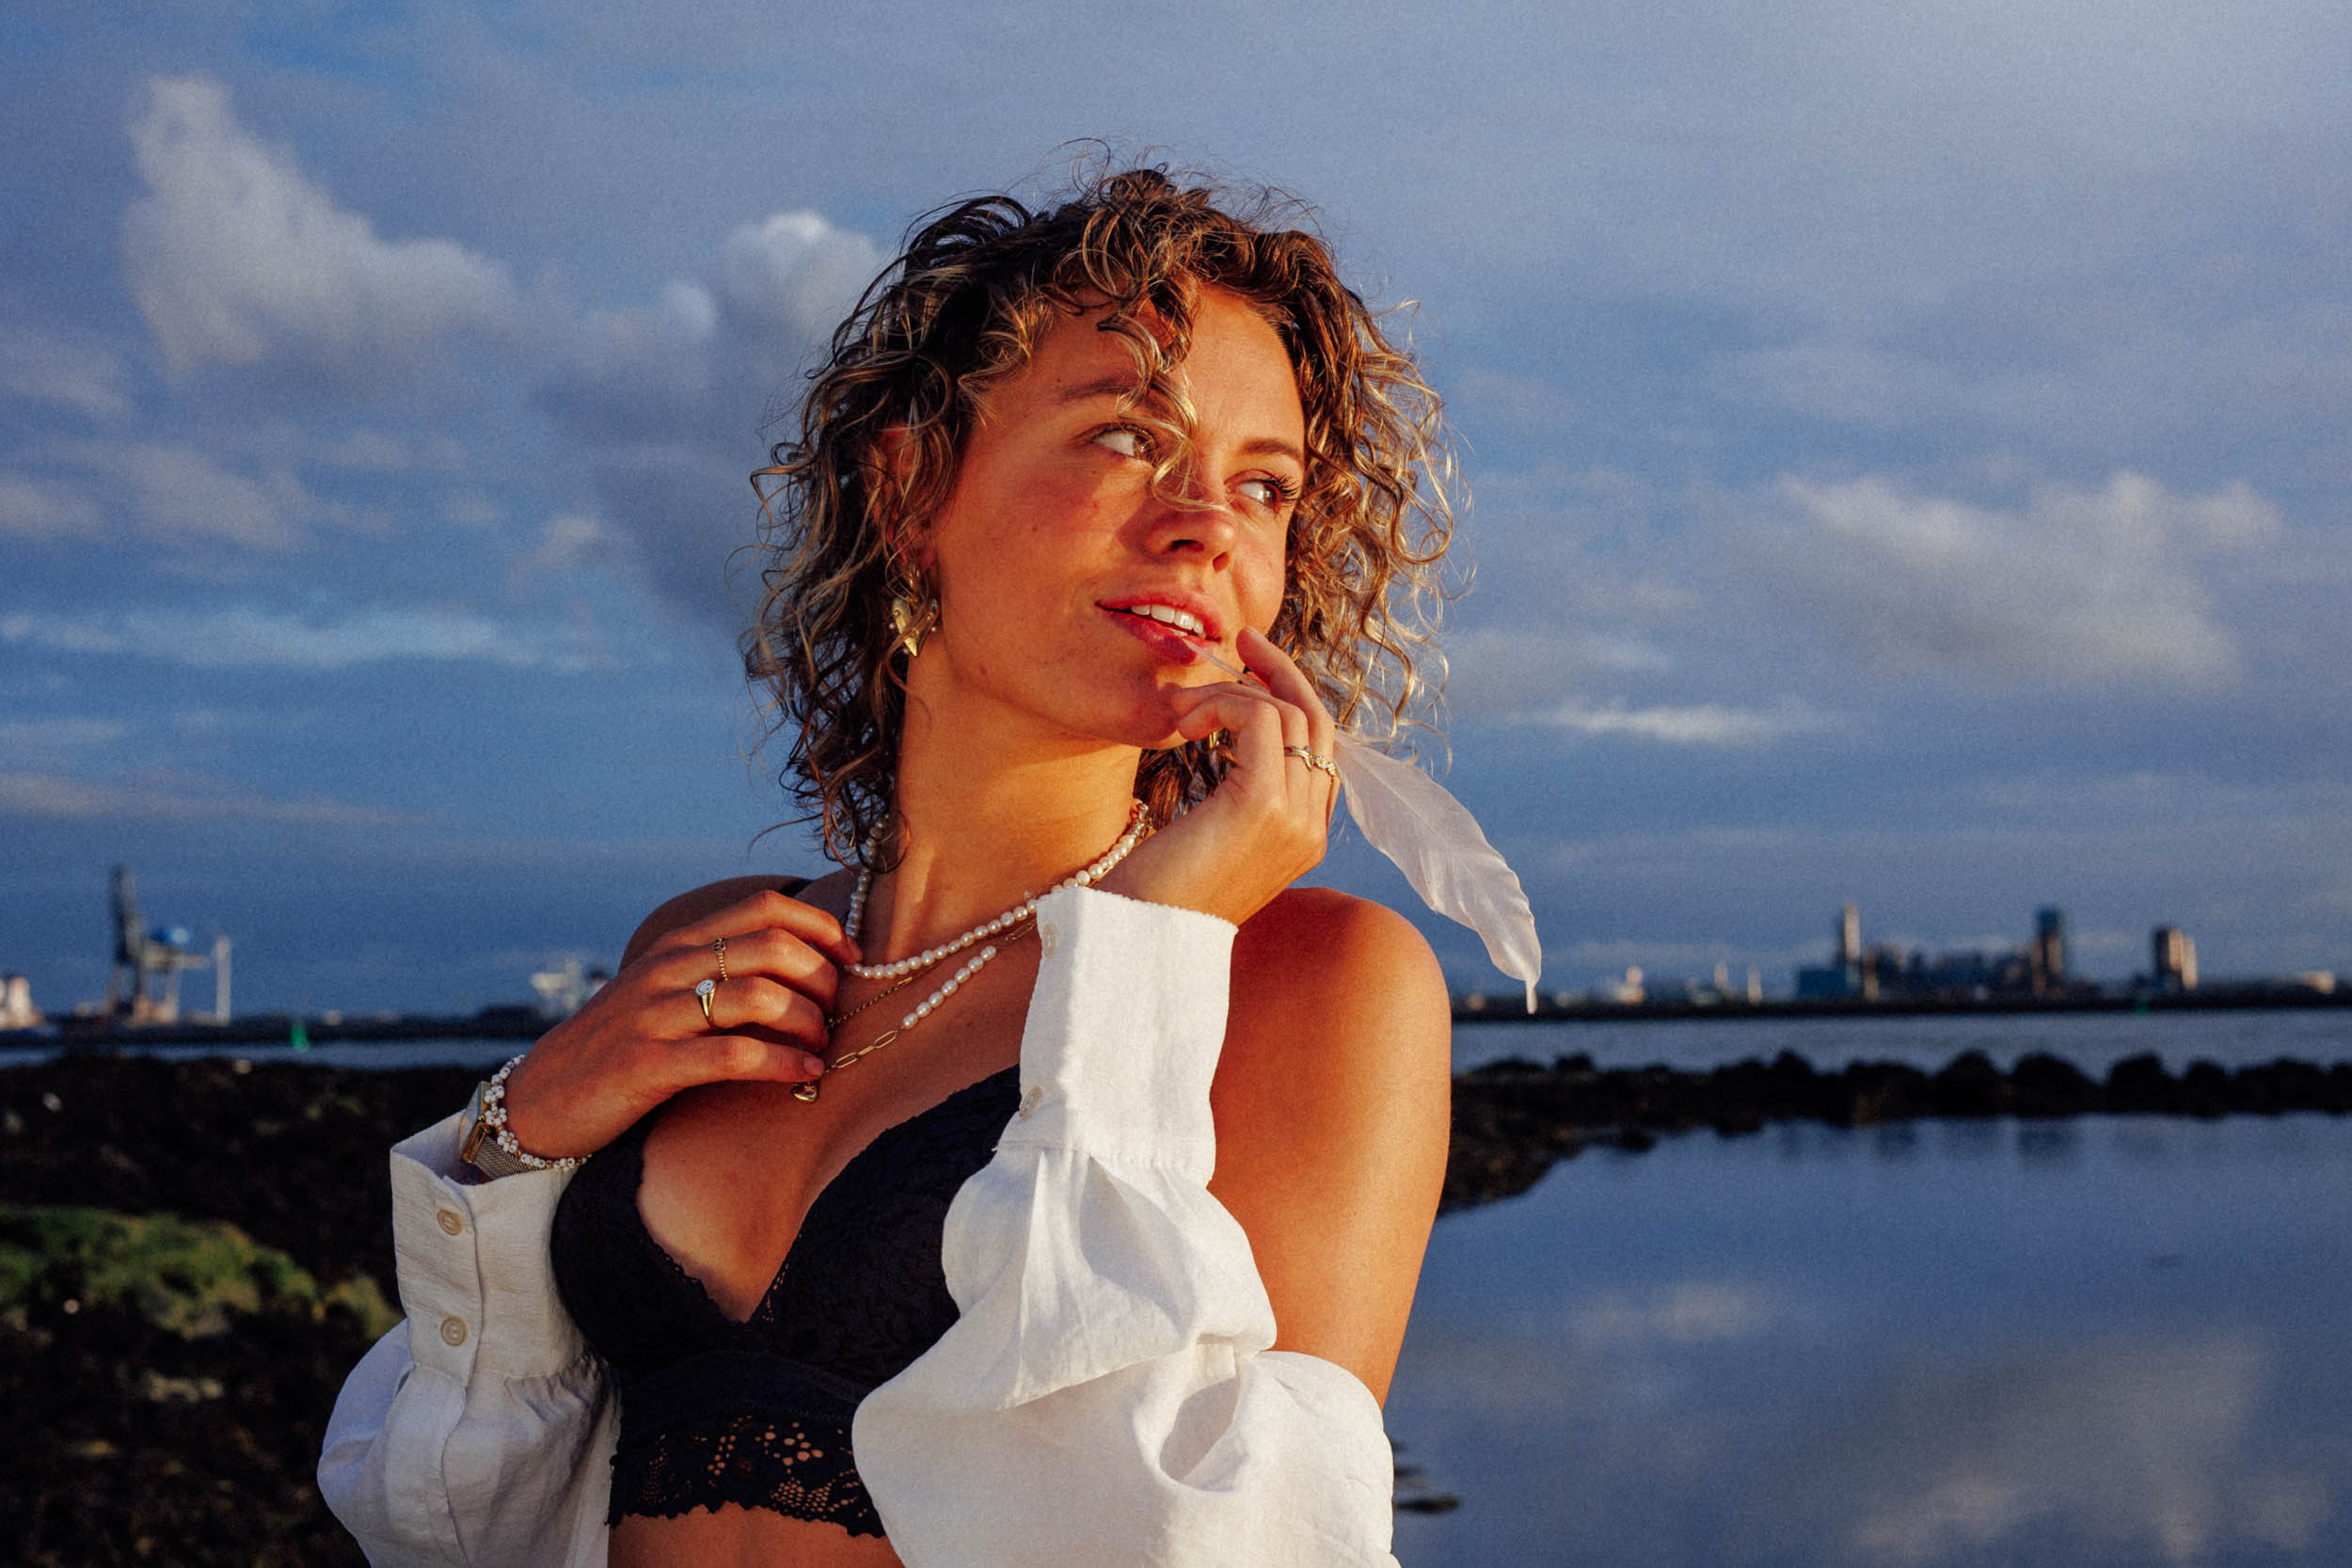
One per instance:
[(757, 1413)]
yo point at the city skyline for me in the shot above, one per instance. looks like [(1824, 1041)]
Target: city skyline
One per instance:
[(1905, 451)]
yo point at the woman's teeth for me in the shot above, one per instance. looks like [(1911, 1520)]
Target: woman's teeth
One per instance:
[(1169, 616)]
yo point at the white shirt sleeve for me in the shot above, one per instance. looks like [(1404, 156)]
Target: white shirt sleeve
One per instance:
[(479, 1431), (1107, 1396)]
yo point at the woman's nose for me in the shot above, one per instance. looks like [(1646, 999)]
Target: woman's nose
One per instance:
[(1193, 516)]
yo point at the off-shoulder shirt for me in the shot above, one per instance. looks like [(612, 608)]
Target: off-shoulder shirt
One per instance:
[(1107, 1394)]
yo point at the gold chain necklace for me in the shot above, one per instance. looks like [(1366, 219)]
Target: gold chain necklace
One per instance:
[(806, 1092)]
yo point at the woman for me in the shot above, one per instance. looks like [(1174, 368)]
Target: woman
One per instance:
[(1063, 474)]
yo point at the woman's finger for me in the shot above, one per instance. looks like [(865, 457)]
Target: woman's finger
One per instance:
[(748, 1001), (1266, 660), (731, 1058), (1285, 680), (766, 911), (770, 954)]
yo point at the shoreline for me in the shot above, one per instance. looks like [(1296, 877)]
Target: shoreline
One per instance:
[(183, 1402), (73, 1036)]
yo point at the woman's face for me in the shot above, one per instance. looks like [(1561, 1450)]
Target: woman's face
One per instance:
[(1072, 593)]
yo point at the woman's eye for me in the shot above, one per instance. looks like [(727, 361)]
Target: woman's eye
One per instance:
[(1125, 439), (1268, 492)]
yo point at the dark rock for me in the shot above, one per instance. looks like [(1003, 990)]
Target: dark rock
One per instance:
[(2139, 1083), (2205, 1091), (2042, 1085), (1970, 1085)]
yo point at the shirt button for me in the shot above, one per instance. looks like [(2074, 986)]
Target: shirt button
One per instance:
[(452, 1331), (450, 1223)]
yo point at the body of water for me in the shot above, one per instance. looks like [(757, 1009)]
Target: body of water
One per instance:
[(2087, 1344), (383, 1055)]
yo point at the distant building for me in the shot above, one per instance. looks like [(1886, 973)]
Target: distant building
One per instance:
[(2174, 958), (16, 1003), (2048, 953), (563, 991), (1844, 975), (1886, 972)]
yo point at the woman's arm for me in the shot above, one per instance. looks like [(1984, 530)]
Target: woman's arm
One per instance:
[(1333, 1106), (478, 1431), (1111, 1393)]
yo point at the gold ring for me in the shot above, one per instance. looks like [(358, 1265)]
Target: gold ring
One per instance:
[(1303, 754), (701, 994), (719, 946)]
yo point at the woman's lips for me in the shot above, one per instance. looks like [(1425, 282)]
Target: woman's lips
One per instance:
[(1162, 639)]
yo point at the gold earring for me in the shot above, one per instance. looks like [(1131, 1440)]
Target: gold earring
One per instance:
[(909, 628)]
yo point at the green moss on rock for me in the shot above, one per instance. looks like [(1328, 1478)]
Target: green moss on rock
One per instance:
[(187, 1277)]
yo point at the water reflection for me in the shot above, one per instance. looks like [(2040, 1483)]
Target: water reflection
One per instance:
[(2142, 1446), (2094, 1342)]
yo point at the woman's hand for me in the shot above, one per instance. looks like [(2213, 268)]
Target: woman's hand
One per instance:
[(1263, 826), (642, 1037)]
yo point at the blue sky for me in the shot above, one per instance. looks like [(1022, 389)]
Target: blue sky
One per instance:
[(1908, 449)]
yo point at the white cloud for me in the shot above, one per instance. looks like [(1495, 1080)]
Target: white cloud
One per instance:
[(569, 541), (370, 450), (470, 512), (37, 508), (250, 638), (2075, 585), (794, 275), (700, 365), (1508, 670), (171, 798), (180, 495), (237, 257), (46, 735), (45, 367), (1692, 724)]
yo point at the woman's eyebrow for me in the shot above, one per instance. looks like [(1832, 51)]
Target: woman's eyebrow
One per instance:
[(1117, 385), (1267, 446)]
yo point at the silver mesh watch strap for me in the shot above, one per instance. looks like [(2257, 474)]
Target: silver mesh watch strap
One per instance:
[(478, 1149)]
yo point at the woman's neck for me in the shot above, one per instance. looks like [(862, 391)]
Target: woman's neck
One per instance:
[(978, 834)]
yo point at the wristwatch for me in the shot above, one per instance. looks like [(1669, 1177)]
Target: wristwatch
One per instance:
[(477, 1144)]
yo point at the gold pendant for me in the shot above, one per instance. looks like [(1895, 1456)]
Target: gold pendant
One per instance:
[(806, 1092)]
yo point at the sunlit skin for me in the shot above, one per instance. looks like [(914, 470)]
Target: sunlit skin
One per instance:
[(1028, 709)]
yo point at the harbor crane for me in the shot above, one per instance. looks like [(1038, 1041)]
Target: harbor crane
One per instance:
[(144, 986)]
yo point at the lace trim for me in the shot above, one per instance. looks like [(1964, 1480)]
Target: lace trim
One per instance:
[(798, 1469)]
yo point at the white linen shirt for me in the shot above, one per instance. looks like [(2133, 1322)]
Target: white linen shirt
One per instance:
[(1107, 1396)]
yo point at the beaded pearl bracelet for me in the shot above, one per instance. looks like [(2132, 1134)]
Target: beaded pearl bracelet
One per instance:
[(494, 1117)]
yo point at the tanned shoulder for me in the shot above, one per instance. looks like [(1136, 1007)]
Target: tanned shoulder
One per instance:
[(1332, 1106)]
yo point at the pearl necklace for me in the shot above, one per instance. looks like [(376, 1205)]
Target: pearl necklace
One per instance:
[(902, 971), (1137, 825)]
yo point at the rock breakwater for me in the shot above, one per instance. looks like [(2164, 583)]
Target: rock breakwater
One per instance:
[(1514, 1119)]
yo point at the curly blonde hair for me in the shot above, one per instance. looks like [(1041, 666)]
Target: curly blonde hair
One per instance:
[(886, 416)]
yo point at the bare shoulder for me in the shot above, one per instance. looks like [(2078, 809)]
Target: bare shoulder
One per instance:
[(709, 899), (1333, 1108), (1338, 976)]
